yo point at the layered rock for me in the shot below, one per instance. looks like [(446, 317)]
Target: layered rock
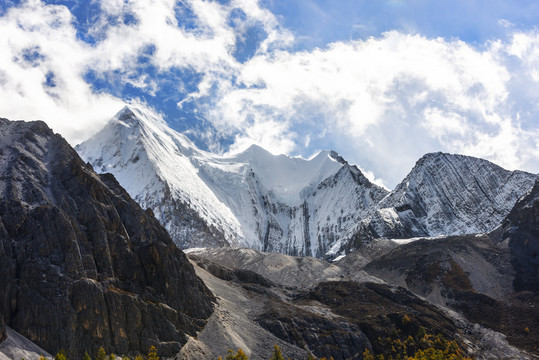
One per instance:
[(445, 194), (81, 264)]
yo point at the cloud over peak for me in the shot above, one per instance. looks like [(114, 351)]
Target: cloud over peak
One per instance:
[(231, 72)]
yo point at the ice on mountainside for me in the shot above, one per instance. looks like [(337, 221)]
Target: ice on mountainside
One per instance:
[(317, 207)]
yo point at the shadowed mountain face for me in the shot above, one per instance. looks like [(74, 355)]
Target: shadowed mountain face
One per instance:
[(521, 229), (81, 264)]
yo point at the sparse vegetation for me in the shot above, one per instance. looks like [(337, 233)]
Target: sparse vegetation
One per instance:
[(102, 355), (240, 355), (423, 346), (152, 354), (277, 355), (61, 355)]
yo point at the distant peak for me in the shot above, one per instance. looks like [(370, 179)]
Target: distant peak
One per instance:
[(431, 157), (255, 147), (126, 114), (256, 150), (133, 116)]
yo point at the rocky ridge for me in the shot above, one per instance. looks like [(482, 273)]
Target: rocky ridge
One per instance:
[(81, 264), (447, 195)]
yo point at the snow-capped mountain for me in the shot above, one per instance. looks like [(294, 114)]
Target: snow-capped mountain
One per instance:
[(446, 194), (317, 207), (253, 199)]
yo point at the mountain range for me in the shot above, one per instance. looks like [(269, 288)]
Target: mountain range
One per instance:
[(83, 265), (322, 207)]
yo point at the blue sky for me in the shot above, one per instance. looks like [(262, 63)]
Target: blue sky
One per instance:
[(381, 82)]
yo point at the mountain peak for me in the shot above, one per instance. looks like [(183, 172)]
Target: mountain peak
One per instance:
[(335, 156), (432, 156), (130, 116), (125, 111), (126, 116), (455, 194), (255, 149)]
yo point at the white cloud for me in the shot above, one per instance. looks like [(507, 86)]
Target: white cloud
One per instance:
[(386, 101), (381, 102), (39, 45)]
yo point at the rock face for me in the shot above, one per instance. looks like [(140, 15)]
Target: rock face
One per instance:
[(81, 264), (445, 194), (475, 276), (521, 230), (2, 329)]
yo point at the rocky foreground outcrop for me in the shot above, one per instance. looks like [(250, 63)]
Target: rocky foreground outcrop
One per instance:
[(81, 264)]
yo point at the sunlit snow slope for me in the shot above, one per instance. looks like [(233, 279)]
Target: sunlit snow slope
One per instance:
[(254, 198)]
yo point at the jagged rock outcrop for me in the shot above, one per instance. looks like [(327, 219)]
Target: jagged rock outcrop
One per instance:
[(445, 194), (81, 264)]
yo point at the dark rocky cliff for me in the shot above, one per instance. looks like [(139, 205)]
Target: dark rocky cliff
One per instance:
[(81, 264), (521, 230)]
